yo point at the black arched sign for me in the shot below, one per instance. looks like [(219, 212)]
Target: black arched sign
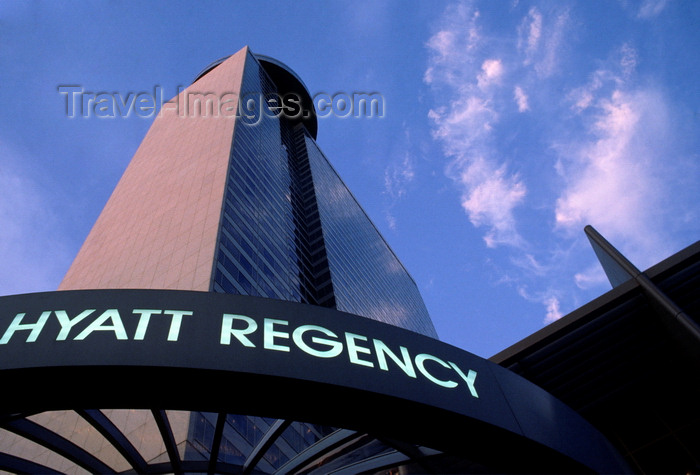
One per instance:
[(215, 352)]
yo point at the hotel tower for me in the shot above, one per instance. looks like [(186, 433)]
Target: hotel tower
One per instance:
[(229, 194), (243, 201)]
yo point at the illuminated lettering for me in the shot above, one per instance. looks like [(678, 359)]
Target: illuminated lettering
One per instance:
[(420, 363), (227, 329), (469, 378), (175, 322), (143, 321), (99, 325), (109, 320), (145, 318), (68, 323), (35, 328), (335, 347), (324, 343), (276, 335), (270, 334), (354, 349), (404, 362)]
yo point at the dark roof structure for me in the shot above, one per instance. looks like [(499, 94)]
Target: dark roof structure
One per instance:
[(629, 361)]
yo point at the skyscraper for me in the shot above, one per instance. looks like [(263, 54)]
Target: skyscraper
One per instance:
[(227, 194), (246, 205)]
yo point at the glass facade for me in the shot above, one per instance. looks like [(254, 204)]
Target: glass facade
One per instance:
[(257, 253), (242, 434), (291, 230), (368, 279)]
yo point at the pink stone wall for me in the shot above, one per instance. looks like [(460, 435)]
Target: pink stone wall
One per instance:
[(159, 228)]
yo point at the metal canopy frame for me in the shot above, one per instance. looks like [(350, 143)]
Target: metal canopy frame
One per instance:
[(318, 454)]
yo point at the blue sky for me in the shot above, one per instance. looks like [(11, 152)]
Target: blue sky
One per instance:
[(508, 127)]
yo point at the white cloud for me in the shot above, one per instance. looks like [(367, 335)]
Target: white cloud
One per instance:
[(530, 32), (491, 73), (582, 98), (464, 124), (398, 175), (521, 99), (621, 68), (452, 44), (489, 199), (540, 40), (390, 220), (651, 8), (531, 265), (553, 310), (612, 181), (548, 299), (442, 42), (599, 186), (608, 138), (593, 276), (628, 59), (549, 59)]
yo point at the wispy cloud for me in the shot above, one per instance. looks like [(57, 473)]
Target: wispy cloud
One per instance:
[(628, 60), (651, 8), (459, 34), (605, 138), (461, 68), (546, 298), (591, 277), (611, 179), (521, 99), (491, 73), (529, 34), (551, 49), (553, 310), (540, 40), (489, 197), (398, 176)]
